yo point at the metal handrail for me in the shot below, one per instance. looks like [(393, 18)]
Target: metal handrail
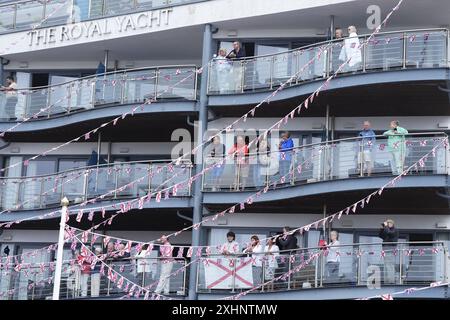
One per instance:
[(315, 72), (350, 270), (321, 248), (105, 74), (95, 167), (330, 142), (318, 44)]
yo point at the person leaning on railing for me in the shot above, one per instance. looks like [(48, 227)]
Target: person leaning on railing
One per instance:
[(396, 145), (256, 250), (215, 155), (223, 69), (271, 253), (351, 50), (11, 97), (333, 258), (262, 171), (240, 152), (285, 147)]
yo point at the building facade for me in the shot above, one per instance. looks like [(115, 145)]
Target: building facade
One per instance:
[(111, 97)]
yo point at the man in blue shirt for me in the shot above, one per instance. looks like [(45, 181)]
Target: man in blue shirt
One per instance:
[(285, 147), (365, 149)]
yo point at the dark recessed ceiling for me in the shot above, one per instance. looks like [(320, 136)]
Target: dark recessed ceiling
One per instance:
[(402, 99)]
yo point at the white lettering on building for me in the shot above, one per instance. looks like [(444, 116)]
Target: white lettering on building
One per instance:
[(100, 28)]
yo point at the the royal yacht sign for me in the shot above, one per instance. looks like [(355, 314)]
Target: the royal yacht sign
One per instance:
[(100, 29)]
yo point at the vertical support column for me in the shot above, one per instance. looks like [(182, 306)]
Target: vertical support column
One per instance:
[(59, 254), (203, 119), (99, 150)]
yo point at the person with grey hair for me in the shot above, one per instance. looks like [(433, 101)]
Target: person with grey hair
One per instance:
[(223, 69), (333, 258), (366, 148), (396, 146)]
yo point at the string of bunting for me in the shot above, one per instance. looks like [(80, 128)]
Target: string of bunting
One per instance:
[(291, 114), (68, 96), (249, 200), (87, 135), (274, 93), (122, 282), (408, 291)]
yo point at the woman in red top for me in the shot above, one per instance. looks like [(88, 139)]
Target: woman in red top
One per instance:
[(240, 151)]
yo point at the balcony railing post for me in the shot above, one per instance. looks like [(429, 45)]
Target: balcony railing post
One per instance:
[(238, 176), (184, 277), (85, 184), (72, 6), (322, 269), (123, 88), (405, 43), (93, 92), (329, 54), (116, 181), (15, 16), (233, 283), (44, 9), (242, 71), (359, 270), (48, 101), (360, 158), (149, 170), (445, 257), (292, 166), (41, 193), (271, 70), (190, 184), (69, 96), (364, 56), (157, 72), (289, 270), (400, 275), (208, 87)]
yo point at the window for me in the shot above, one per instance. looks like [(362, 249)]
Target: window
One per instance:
[(68, 164)]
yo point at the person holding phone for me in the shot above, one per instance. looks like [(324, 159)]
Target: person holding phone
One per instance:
[(396, 146)]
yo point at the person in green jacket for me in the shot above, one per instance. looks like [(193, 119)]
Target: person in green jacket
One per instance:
[(396, 145)]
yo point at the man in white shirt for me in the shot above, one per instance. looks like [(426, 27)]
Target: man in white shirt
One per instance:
[(10, 92), (351, 50), (231, 246)]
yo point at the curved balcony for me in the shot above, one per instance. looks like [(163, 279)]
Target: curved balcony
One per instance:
[(245, 80), (37, 284), (361, 268), (81, 184), (22, 15), (98, 94), (326, 167)]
